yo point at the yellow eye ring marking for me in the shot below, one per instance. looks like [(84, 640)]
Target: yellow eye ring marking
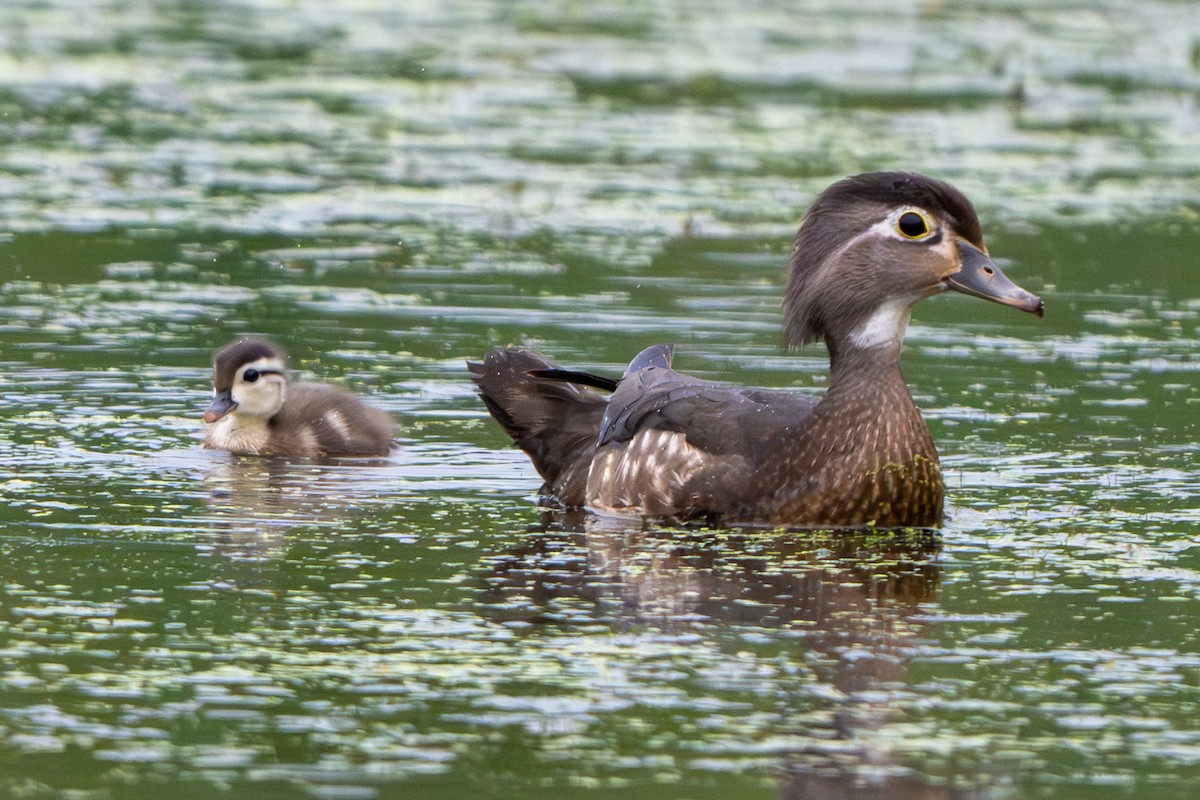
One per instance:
[(913, 224)]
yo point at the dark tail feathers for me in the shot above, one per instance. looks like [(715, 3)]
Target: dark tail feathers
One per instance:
[(553, 421)]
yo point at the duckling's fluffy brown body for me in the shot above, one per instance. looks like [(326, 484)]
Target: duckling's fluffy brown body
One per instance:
[(667, 445)]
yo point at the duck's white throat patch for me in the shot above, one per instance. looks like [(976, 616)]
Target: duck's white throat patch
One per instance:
[(886, 325)]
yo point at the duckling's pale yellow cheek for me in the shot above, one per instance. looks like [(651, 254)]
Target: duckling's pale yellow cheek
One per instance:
[(263, 398)]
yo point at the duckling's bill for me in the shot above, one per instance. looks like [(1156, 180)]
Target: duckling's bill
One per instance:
[(980, 277), (222, 403)]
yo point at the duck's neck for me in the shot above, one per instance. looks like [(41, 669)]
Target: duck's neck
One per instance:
[(859, 371)]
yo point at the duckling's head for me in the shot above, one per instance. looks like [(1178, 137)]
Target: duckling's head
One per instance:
[(248, 377), (872, 246)]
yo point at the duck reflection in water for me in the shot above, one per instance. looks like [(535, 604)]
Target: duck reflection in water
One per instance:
[(851, 602)]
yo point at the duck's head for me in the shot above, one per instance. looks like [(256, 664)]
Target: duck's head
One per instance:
[(248, 377), (874, 245)]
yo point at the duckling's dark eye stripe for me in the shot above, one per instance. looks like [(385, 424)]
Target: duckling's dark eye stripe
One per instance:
[(251, 375)]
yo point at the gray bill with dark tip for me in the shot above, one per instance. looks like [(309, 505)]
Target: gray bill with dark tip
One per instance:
[(979, 276)]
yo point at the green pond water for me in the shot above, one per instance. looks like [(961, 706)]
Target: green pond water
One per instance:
[(390, 188)]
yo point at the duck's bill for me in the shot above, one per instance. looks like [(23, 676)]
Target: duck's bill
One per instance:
[(979, 276), (222, 403)]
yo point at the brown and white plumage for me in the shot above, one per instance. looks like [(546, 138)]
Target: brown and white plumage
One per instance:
[(256, 411), (669, 445)]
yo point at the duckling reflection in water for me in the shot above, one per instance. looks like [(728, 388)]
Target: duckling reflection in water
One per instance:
[(256, 411), (667, 445)]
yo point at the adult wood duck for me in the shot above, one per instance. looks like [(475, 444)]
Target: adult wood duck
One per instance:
[(666, 445), (255, 410)]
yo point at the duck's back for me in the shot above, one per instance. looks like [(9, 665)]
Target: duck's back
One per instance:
[(318, 419)]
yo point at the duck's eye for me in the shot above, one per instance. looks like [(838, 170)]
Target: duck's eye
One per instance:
[(912, 225), (250, 375)]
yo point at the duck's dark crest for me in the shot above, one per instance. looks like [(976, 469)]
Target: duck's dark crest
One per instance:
[(241, 351), (841, 212)]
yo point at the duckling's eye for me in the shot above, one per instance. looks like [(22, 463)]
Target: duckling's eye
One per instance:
[(250, 375), (912, 225)]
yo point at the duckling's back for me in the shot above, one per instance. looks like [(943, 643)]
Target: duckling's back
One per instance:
[(318, 419)]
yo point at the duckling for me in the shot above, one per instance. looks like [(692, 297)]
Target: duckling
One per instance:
[(256, 411), (667, 445)]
